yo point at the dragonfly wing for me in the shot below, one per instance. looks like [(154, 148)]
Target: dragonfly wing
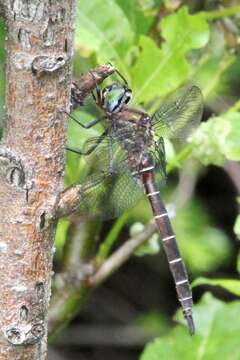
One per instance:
[(178, 116), (104, 153), (109, 195), (159, 159), (112, 188)]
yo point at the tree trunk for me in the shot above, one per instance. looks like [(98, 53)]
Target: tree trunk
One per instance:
[(39, 50)]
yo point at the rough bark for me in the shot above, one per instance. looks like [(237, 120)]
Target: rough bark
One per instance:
[(71, 291), (39, 50)]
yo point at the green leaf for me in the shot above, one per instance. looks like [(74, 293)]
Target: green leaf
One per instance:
[(157, 72), (61, 235), (139, 19), (153, 321), (230, 285), (76, 168), (207, 146), (160, 71), (191, 31), (211, 148), (231, 146), (111, 238), (150, 5), (171, 156), (204, 247), (103, 28), (209, 77), (77, 135), (217, 335)]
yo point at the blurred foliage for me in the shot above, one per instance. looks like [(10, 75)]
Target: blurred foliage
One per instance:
[(150, 247), (169, 66), (196, 234), (217, 335), (211, 149), (198, 237), (159, 46), (61, 235), (231, 285), (153, 321)]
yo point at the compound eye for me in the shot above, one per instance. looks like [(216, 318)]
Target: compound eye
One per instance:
[(128, 98), (128, 95)]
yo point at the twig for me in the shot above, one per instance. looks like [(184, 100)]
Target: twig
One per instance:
[(85, 85), (120, 256), (235, 107), (68, 201), (218, 14), (73, 288), (186, 185)]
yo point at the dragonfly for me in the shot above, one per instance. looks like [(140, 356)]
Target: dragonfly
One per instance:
[(128, 159)]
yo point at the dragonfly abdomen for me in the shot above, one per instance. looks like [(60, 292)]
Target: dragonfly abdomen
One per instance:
[(170, 246)]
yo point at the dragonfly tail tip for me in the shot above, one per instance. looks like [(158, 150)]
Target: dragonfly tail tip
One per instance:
[(191, 326)]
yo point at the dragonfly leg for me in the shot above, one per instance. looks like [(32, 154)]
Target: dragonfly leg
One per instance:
[(92, 148), (86, 126), (98, 99), (94, 97), (121, 76)]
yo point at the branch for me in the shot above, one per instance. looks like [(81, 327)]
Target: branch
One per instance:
[(68, 201), (39, 49), (86, 84), (218, 14), (120, 256)]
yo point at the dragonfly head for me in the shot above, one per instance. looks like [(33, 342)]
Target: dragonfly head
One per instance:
[(115, 96)]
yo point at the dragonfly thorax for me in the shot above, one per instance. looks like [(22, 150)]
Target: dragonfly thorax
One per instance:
[(115, 96)]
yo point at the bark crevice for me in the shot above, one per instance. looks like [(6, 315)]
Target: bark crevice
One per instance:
[(31, 168)]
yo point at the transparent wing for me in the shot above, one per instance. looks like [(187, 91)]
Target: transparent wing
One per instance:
[(159, 159), (178, 116), (105, 154), (107, 196), (112, 189)]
